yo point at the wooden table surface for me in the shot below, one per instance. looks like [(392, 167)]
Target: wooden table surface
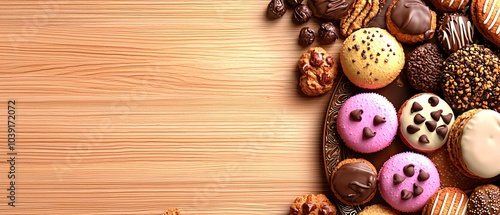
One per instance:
[(133, 107)]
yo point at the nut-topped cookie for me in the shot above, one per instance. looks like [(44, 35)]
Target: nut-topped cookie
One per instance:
[(424, 122), (472, 79), (410, 21), (318, 72), (312, 205)]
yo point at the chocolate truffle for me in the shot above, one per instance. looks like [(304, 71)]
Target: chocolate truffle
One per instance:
[(301, 14), (327, 33), (455, 32), (330, 10), (294, 3), (276, 9), (306, 36), (423, 68)]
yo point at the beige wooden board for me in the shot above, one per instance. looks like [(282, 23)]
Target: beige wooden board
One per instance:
[(133, 107)]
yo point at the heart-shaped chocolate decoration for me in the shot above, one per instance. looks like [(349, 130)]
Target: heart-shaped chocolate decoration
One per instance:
[(409, 170), (397, 178), (447, 118), (355, 115), (406, 194), (436, 114), (417, 190), (368, 133), (423, 175), (378, 120)]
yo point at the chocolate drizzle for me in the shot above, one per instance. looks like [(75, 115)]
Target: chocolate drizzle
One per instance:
[(457, 31), (354, 182), (355, 115), (411, 17)]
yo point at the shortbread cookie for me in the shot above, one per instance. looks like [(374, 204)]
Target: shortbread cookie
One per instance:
[(318, 72), (312, 205), (448, 200), (378, 209)]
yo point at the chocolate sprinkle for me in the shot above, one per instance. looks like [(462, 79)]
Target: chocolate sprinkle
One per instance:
[(418, 119), (433, 100), (436, 114), (406, 194), (416, 107), (423, 139), (378, 120), (397, 178), (412, 129), (355, 115), (368, 133), (447, 118), (409, 170), (417, 190), (431, 125), (423, 175), (442, 131)]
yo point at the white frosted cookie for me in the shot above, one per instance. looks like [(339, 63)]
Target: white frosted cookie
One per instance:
[(425, 121)]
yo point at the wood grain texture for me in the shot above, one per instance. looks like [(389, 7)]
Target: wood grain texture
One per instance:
[(132, 107)]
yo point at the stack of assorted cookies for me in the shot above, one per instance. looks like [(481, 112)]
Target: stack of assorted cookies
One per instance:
[(447, 51)]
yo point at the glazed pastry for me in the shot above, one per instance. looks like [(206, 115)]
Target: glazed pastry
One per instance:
[(330, 10), (360, 15), (372, 58), (367, 122), (424, 122), (486, 17), (472, 79), (378, 209), (450, 5), (455, 32), (423, 69), (410, 21), (407, 180), (484, 199), (354, 181), (318, 72), (448, 200), (312, 205), (474, 143)]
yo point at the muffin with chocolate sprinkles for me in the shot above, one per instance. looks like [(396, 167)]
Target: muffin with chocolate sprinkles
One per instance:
[(423, 68), (484, 200), (471, 79)]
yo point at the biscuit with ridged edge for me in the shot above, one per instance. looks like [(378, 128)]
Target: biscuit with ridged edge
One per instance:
[(312, 205), (486, 17), (408, 38), (371, 58), (378, 209), (449, 200)]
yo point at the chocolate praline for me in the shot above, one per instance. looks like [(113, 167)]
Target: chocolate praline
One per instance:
[(301, 14), (330, 10), (276, 9), (327, 33), (412, 17), (306, 36)]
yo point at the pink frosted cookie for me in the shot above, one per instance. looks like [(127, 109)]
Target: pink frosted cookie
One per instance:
[(367, 122), (407, 180), (425, 121)]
